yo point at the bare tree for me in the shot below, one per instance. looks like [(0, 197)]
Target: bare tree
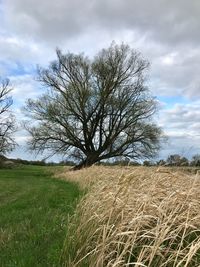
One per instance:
[(195, 160), (7, 123), (174, 160), (95, 109), (177, 160)]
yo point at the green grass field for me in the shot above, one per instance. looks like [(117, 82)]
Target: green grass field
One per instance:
[(34, 208)]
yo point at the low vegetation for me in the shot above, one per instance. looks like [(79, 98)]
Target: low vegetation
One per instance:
[(135, 216), (34, 210)]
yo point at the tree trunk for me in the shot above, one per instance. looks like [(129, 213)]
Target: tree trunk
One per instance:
[(85, 164)]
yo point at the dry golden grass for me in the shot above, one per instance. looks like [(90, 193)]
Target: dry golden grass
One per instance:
[(90, 176), (135, 217)]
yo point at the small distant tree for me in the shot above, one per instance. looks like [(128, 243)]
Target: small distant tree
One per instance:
[(161, 162), (7, 121), (173, 160), (95, 109), (177, 160), (184, 161), (195, 160), (148, 163)]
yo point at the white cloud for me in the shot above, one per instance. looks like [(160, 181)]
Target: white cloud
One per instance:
[(182, 126), (25, 86), (169, 59)]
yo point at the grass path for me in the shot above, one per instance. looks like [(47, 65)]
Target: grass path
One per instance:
[(33, 216)]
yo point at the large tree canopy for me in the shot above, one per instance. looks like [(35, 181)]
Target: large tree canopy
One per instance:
[(7, 125), (95, 109)]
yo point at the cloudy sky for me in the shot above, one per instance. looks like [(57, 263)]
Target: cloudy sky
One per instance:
[(165, 32)]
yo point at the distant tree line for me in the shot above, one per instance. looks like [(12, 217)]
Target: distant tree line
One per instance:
[(172, 160), (4, 162), (176, 160)]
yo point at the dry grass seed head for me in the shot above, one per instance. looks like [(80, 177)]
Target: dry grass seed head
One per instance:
[(138, 216)]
